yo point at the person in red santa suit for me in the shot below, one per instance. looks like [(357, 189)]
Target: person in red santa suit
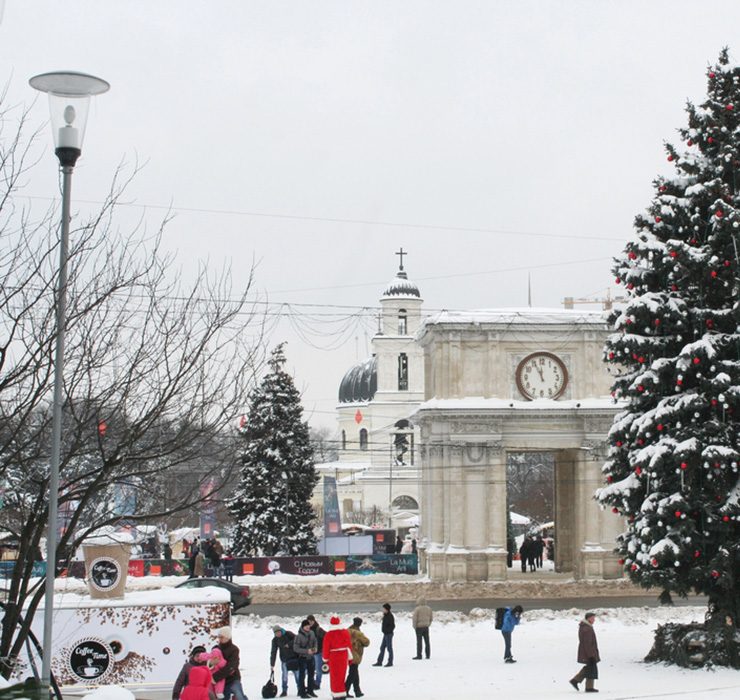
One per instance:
[(337, 652)]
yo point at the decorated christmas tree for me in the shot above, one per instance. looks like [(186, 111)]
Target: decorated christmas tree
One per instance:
[(271, 504), (672, 467)]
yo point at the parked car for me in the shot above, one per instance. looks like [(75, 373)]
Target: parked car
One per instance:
[(240, 596)]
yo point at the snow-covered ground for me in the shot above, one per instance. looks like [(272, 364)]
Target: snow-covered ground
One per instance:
[(467, 658)]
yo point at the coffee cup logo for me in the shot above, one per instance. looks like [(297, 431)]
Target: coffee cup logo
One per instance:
[(104, 573), (90, 659)]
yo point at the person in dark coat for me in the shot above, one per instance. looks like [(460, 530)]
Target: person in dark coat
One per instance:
[(318, 657), (512, 617), (282, 643), (524, 553), (230, 671), (588, 654), (192, 555), (387, 626), (539, 548), (184, 675), (167, 551), (399, 544), (305, 646)]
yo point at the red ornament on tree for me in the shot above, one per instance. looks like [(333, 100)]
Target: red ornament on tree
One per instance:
[(659, 426), (658, 219), (710, 140), (684, 465), (689, 143), (674, 288), (697, 554), (615, 510), (696, 360), (710, 323), (654, 562), (618, 443), (641, 360), (670, 158), (719, 213), (630, 285), (638, 471), (620, 562), (712, 74), (673, 254), (634, 567), (678, 513), (713, 273), (727, 263), (632, 255), (102, 428), (662, 188), (640, 387), (715, 573), (730, 107), (725, 518), (611, 355)]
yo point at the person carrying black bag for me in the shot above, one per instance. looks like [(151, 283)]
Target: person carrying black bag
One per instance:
[(269, 689), (282, 642), (588, 654)]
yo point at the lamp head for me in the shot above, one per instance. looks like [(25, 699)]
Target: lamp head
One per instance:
[(69, 101)]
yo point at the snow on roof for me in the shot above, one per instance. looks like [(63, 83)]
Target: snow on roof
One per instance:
[(517, 519), (516, 316), (481, 403), (159, 596)]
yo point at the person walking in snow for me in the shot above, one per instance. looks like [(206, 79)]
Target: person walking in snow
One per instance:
[(387, 626), (230, 672), (337, 651), (421, 620), (199, 684), (282, 643), (524, 553), (588, 654), (318, 657), (512, 617), (305, 646), (359, 642)]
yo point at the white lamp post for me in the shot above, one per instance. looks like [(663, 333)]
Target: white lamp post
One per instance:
[(69, 99)]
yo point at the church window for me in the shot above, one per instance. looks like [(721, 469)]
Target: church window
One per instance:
[(363, 439), (405, 503), (344, 440), (403, 372), (402, 448), (402, 322)]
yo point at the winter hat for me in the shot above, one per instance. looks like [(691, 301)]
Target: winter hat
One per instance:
[(223, 632), (277, 628), (334, 621), (357, 621), (387, 606), (196, 652)]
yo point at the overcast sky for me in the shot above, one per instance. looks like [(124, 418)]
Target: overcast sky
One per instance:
[(489, 139)]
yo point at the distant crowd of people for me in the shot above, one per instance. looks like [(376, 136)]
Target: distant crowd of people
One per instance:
[(530, 553), (207, 558)]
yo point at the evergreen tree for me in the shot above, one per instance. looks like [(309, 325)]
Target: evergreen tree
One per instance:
[(271, 504), (672, 467)]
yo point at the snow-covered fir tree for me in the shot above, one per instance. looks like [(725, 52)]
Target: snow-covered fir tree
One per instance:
[(271, 505), (672, 467)]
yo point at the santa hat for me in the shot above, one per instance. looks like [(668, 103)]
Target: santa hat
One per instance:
[(335, 622)]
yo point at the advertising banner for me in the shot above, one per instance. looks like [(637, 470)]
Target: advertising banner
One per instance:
[(139, 641), (332, 516)]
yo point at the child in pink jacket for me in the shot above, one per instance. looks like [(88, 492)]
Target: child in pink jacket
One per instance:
[(215, 661)]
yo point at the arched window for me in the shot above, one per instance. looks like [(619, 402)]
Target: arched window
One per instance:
[(344, 440), (403, 327), (403, 443), (405, 503), (403, 372), (363, 439)]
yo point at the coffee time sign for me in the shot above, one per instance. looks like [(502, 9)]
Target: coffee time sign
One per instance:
[(105, 573), (90, 659)]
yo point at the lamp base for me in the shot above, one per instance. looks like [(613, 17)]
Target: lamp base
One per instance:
[(67, 155)]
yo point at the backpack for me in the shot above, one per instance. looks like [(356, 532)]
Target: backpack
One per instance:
[(269, 689), (500, 612)]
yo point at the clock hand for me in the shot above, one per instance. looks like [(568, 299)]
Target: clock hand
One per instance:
[(540, 372)]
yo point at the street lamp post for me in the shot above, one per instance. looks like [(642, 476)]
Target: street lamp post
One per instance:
[(69, 100)]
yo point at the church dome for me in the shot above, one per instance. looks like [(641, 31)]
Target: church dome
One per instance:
[(360, 382), (401, 286)]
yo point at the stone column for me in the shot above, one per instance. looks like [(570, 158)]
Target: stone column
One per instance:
[(592, 553), (496, 503)]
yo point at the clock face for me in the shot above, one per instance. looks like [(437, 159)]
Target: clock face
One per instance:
[(541, 375)]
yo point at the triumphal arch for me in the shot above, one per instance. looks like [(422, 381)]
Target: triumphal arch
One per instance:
[(509, 381)]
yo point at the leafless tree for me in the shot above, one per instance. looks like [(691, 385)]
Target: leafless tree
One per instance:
[(156, 373)]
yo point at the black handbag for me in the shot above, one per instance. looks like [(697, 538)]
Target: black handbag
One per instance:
[(269, 689)]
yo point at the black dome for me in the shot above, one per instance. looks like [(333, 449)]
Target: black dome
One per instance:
[(360, 382), (401, 286)]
